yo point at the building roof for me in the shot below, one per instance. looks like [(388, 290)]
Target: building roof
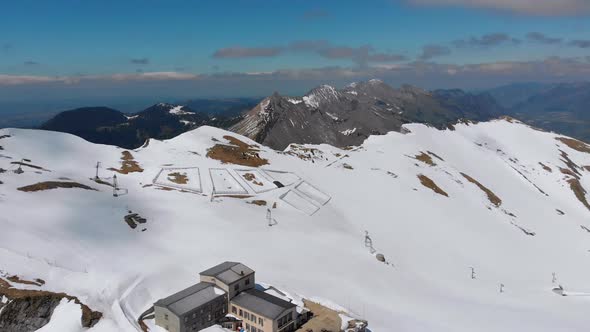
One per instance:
[(262, 303), (190, 298), (228, 272)]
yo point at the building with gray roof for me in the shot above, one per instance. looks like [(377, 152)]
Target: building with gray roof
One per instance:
[(227, 286)]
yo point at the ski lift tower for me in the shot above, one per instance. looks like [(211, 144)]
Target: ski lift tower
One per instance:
[(97, 167), (115, 186)]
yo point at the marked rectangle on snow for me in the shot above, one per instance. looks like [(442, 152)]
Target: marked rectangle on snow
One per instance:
[(256, 180), (183, 178), (299, 202), (225, 183), (313, 193), (285, 178)]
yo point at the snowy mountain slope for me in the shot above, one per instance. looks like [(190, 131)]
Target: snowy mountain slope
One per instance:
[(78, 242)]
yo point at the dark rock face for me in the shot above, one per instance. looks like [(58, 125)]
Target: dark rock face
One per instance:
[(162, 121), (350, 115), (28, 313)]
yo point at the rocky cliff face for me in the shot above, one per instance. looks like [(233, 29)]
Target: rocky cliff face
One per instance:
[(348, 116), (28, 313)]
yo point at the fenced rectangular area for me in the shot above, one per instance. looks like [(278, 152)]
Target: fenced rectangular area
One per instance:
[(225, 183), (183, 178)]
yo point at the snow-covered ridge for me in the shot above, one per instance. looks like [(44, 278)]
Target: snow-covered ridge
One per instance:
[(179, 110)]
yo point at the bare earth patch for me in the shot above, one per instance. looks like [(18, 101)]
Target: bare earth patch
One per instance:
[(258, 202), (570, 164), (545, 167), (425, 158), (347, 166), (428, 183), (307, 154), (579, 191), (48, 185), (17, 280), (89, 318), (178, 178), (435, 155), (30, 166), (493, 198), (252, 178), (324, 319), (128, 164), (237, 152), (574, 144)]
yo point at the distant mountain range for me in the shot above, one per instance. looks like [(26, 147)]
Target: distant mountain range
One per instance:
[(162, 121), (340, 117), (563, 107), (350, 115)]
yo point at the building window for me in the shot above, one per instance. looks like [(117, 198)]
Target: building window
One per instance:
[(247, 315), (237, 287), (260, 321), (209, 317), (248, 281), (253, 318), (247, 327), (234, 310), (195, 314), (241, 313)]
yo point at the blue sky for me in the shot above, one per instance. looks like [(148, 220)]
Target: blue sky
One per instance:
[(199, 48)]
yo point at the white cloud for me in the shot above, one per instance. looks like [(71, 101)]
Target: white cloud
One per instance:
[(32, 79), (527, 7), (149, 76)]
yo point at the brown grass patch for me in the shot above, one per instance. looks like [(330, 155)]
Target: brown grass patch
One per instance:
[(574, 144), (89, 318), (17, 280), (30, 166), (128, 164), (545, 167), (324, 319), (252, 178), (579, 191), (237, 152), (49, 185), (258, 202), (178, 178), (425, 158), (493, 198), (428, 183)]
